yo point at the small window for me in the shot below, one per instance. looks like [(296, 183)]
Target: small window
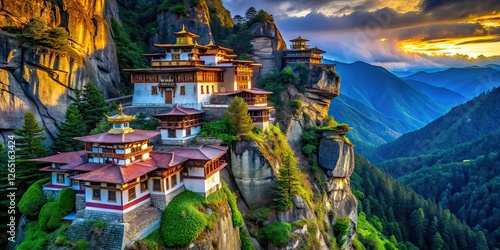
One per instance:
[(213, 88), (174, 180), (181, 177), (60, 178), (112, 196), (176, 57), (171, 133), (131, 194), (208, 89), (144, 186), (154, 90), (96, 194), (167, 187), (95, 183), (183, 90), (157, 185), (188, 132), (201, 88)]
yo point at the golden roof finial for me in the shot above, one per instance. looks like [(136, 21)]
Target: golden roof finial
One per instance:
[(211, 42), (120, 108), (183, 28)]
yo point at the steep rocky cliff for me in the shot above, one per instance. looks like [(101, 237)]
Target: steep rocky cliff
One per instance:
[(40, 79), (196, 19), (268, 45)]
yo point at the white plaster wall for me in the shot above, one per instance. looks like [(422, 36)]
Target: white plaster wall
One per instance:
[(195, 185), (104, 197), (67, 180), (189, 97), (142, 94), (199, 172)]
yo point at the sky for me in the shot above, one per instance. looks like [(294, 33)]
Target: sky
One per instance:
[(400, 35)]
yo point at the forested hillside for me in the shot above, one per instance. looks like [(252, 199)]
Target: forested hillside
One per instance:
[(464, 123), (406, 217)]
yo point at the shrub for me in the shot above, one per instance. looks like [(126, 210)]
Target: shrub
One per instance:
[(67, 200), (33, 199), (61, 240), (182, 220), (99, 224), (341, 228), (231, 199), (179, 9), (35, 238), (258, 214), (279, 233), (50, 216), (246, 244), (81, 245)]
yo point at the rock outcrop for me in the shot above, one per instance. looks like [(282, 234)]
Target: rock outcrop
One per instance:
[(253, 174), (337, 157), (196, 20), (40, 79), (268, 46)]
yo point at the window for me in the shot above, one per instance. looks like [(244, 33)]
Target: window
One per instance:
[(176, 57), (181, 177), (131, 194), (213, 88), (208, 90), (188, 132), (96, 194), (166, 184), (156, 185), (183, 90), (174, 180), (111, 195), (144, 186), (202, 92), (171, 133), (60, 178), (154, 90)]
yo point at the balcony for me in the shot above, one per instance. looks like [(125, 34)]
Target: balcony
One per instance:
[(120, 156), (162, 63)]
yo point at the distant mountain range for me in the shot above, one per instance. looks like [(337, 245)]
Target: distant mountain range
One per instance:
[(379, 105), (469, 81)]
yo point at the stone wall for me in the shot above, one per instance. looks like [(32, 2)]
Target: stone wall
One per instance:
[(102, 215), (80, 201), (130, 215), (161, 201), (214, 112), (51, 194), (109, 238), (140, 228)]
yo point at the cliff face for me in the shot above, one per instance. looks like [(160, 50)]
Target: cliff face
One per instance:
[(196, 20), (268, 45), (40, 79), (337, 157)]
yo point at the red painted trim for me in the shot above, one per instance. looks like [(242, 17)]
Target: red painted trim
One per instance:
[(50, 185), (118, 207)]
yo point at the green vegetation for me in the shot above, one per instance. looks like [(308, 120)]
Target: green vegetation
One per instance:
[(404, 214), (36, 33), (341, 228), (29, 139), (184, 220), (231, 199), (51, 214), (36, 239), (145, 123), (258, 214), (288, 183), (279, 233), (246, 244), (81, 245), (220, 129), (91, 104), (370, 237), (33, 199), (240, 121), (73, 126)]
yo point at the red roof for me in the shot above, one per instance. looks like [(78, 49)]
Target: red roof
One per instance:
[(179, 111), (87, 167), (167, 159), (205, 152), (136, 135), (118, 174), (251, 91), (66, 157), (299, 39)]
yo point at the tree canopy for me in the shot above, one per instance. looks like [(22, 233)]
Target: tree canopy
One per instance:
[(239, 118), (73, 126)]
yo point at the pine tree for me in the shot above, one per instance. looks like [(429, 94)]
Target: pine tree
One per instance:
[(29, 139), (239, 118), (288, 184), (91, 104), (73, 126), (419, 225), (437, 242)]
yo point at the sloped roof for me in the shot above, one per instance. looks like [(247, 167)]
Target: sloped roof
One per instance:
[(179, 111), (204, 152), (118, 174), (136, 135), (164, 159), (66, 157)]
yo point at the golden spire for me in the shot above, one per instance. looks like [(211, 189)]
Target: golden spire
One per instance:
[(120, 122), (183, 28)]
